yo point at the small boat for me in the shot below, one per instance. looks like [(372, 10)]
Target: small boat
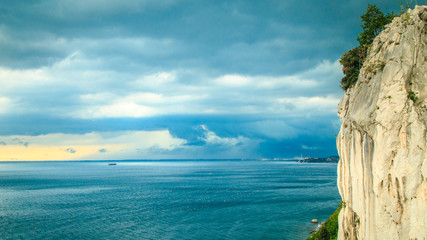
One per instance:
[(111, 164)]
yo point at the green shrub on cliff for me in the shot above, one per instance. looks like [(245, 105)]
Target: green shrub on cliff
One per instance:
[(351, 62), (412, 96), (374, 22), (329, 229)]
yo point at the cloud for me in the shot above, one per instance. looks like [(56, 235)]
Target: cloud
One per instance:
[(119, 109), (306, 105), (265, 82), (265, 104), (70, 150), (141, 104), (256, 75), (209, 144), (233, 80), (5, 104), (97, 97), (85, 87), (155, 80), (210, 137), (14, 140)]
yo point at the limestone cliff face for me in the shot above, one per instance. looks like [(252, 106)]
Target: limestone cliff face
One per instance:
[(382, 174)]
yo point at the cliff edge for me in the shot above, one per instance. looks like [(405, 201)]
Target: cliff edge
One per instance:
[(382, 172)]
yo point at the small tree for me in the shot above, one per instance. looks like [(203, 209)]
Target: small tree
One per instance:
[(374, 22)]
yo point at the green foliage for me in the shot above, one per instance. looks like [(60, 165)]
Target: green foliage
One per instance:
[(374, 22), (329, 229), (412, 96), (351, 62)]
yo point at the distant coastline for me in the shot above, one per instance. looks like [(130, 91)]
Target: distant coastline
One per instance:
[(331, 159)]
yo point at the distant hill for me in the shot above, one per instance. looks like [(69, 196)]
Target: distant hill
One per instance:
[(331, 159)]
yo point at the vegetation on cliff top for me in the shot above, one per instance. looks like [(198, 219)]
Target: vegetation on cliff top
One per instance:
[(373, 22), (329, 229)]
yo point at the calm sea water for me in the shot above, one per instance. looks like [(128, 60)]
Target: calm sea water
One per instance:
[(164, 199)]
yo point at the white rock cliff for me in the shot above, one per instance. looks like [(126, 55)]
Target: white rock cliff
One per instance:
[(382, 174)]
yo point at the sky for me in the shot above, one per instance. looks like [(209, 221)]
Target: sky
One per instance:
[(173, 79)]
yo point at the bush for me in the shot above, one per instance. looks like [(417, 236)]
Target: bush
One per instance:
[(351, 62), (412, 96), (329, 229)]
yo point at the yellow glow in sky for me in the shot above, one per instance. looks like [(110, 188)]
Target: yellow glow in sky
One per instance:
[(48, 153), (88, 146)]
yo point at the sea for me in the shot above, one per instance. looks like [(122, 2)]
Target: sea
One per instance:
[(168, 199)]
